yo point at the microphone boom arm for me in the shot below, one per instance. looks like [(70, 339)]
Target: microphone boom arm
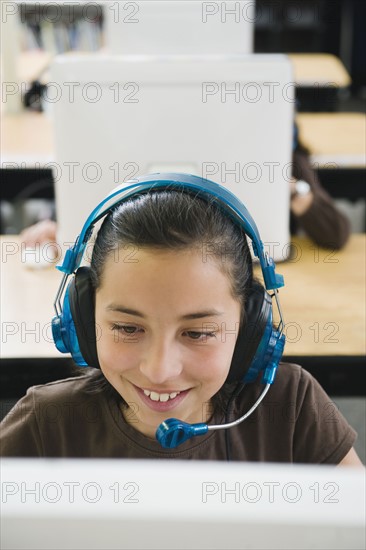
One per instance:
[(239, 420)]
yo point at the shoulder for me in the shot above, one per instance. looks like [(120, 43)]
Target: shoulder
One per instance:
[(295, 387), (293, 377), (295, 397), (71, 388), (296, 421), (290, 389), (52, 399), (321, 433), (295, 382), (290, 373), (51, 417), (291, 380)]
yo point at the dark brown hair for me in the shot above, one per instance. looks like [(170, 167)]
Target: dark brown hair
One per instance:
[(176, 220)]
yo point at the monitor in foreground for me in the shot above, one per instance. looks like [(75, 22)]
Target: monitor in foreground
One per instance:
[(161, 504)]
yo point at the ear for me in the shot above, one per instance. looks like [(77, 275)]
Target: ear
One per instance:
[(258, 312), (82, 306)]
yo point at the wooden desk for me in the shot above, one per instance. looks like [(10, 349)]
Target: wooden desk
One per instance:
[(310, 69), (323, 301), (318, 69), (27, 297), (27, 139), (334, 139)]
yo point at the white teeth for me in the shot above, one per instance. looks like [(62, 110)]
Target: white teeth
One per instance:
[(163, 397)]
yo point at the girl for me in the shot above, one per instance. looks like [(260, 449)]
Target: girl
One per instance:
[(171, 322)]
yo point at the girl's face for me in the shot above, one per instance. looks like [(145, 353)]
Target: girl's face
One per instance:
[(167, 326)]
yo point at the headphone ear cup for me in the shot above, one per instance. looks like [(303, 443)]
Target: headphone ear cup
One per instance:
[(259, 346), (81, 300), (64, 331), (258, 309)]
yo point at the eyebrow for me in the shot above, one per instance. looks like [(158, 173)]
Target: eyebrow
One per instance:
[(187, 317)]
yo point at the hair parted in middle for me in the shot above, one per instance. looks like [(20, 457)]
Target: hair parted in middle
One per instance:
[(175, 220)]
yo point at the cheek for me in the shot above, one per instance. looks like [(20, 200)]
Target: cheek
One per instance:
[(114, 356), (214, 364)]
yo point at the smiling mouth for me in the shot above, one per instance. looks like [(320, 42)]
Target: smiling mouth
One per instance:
[(162, 397)]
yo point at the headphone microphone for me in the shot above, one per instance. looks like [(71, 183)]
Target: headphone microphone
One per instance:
[(173, 432)]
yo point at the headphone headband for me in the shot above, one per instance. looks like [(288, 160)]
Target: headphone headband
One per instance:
[(191, 184), (259, 345)]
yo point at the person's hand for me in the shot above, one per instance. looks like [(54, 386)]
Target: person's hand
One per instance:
[(299, 202), (41, 234)]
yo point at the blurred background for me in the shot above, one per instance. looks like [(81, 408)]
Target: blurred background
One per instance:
[(325, 39)]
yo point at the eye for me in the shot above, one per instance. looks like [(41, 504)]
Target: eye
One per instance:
[(196, 335), (128, 330)]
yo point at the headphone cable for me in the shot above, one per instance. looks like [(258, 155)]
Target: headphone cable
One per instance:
[(235, 393)]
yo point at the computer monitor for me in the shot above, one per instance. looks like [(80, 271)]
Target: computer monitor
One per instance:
[(172, 504), (226, 118), (179, 27)]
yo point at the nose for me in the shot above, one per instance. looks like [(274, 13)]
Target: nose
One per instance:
[(161, 362)]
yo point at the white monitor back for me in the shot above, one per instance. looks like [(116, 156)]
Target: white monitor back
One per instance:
[(179, 27), (227, 118), (171, 504)]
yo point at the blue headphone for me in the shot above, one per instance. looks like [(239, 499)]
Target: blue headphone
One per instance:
[(259, 344)]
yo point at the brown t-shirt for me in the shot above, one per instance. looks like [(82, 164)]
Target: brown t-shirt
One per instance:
[(296, 422)]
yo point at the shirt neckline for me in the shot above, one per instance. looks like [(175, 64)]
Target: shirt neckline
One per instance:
[(149, 445)]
